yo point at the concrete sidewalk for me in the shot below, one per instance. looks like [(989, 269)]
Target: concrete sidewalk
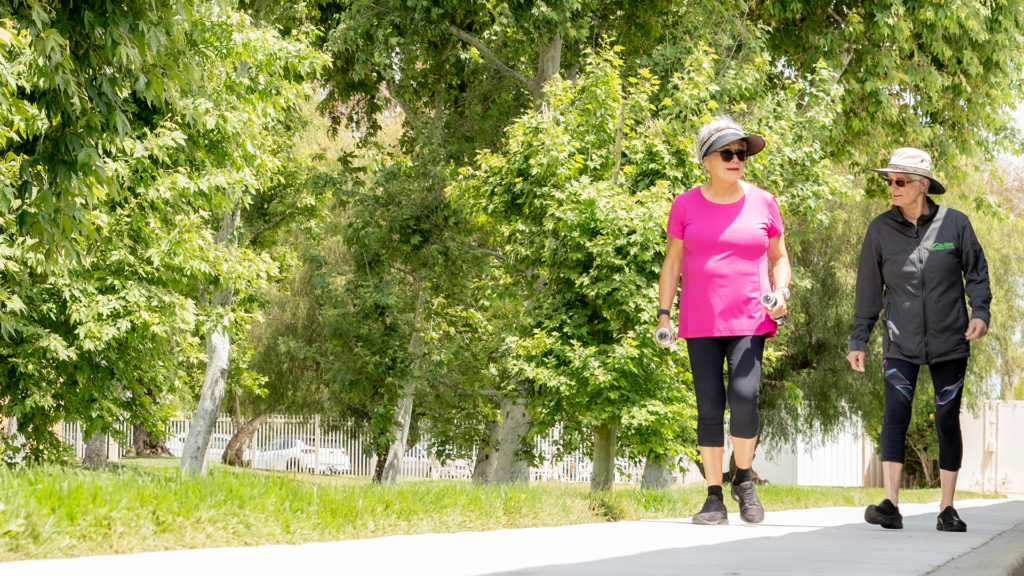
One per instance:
[(833, 541)]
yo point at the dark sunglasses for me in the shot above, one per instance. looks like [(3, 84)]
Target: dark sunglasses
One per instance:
[(728, 154), (899, 182)]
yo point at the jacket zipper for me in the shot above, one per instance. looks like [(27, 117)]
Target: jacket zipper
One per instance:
[(924, 304)]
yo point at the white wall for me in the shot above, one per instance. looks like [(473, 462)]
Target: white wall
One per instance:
[(839, 460), (993, 458), (833, 461), (993, 455), (777, 466)]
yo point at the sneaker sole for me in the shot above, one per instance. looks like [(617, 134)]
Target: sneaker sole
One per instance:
[(703, 522)]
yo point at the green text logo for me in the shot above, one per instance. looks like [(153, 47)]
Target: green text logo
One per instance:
[(941, 246)]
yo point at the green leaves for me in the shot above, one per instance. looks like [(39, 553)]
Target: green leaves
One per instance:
[(127, 131), (940, 75), (554, 201)]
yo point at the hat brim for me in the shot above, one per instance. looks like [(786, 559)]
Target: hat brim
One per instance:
[(935, 187), (754, 143)]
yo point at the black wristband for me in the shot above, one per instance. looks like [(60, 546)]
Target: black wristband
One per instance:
[(663, 312)]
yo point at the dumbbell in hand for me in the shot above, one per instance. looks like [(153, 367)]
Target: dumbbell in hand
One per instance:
[(769, 301)]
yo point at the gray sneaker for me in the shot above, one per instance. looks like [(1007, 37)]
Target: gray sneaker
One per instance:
[(751, 510), (713, 512)]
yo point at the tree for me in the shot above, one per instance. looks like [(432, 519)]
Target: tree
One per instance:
[(573, 200), (459, 73), (123, 136), (78, 133), (404, 250), (944, 76), (800, 73), (578, 195), (997, 360), (266, 88)]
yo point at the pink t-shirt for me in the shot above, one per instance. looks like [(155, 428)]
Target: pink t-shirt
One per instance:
[(725, 262)]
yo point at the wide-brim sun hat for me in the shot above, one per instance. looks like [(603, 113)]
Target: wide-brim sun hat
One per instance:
[(727, 135), (913, 161)]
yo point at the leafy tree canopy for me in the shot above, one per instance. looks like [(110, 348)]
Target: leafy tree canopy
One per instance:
[(127, 131)]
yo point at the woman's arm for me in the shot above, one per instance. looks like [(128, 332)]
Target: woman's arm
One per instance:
[(782, 273), (668, 285), (976, 283), (867, 301), (778, 257)]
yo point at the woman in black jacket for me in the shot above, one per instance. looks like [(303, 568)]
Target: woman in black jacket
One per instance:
[(917, 263)]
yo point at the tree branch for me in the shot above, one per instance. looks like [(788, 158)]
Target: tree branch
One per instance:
[(618, 143), (485, 251), (460, 391), (485, 52), (270, 225)]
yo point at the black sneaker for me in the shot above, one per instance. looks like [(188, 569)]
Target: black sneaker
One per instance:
[(751, 510), (713, 512), (949, 521), (885, 514)]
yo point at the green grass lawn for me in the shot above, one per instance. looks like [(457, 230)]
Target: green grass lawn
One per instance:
[(145, 505)]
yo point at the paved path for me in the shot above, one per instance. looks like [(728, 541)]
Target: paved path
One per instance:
[(833, 541)]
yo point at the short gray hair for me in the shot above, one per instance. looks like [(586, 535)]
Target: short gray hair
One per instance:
[(714, 131)]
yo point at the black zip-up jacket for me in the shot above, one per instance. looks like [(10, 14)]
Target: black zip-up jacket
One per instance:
[(920, 274)]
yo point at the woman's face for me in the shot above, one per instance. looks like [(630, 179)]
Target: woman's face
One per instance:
[(906, 189), (720, 171)]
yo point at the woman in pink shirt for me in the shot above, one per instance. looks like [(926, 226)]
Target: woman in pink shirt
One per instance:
[(723, 238)]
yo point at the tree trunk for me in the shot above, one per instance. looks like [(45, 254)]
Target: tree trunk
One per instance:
[(234, 452), (549, 64), (218, 348), (403, 412), (926, 463), (483, 469), (95, 451), (144, 445), (605, 439), (657, 475), (193, 456), (142, 441), (381, 459), (403, 417), (509, 466)]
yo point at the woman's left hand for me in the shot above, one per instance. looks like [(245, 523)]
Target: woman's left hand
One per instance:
[(780, 309), (976, 329)]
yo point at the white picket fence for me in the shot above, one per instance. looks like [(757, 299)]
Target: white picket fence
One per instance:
[(416, 463)]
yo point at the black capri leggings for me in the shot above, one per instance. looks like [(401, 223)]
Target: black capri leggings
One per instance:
[(900, 384), (744, 355)]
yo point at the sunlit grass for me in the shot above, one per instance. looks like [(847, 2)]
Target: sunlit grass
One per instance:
[(145, 504)]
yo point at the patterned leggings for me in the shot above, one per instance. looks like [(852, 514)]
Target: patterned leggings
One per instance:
[(900, 383)]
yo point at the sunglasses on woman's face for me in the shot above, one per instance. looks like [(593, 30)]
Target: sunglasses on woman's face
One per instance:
[(899, 182), (728, 154)]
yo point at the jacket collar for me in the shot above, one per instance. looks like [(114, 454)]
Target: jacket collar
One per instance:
[(933, 209)]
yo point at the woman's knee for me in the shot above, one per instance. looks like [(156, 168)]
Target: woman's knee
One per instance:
[(745, 425), (711, 430)]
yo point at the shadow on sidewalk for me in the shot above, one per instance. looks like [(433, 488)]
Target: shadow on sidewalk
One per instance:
[(848, 549)]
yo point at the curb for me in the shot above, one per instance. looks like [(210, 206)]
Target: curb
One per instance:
[(1003, 555)]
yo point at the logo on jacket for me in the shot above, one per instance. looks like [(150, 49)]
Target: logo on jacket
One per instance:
[(939, 246)]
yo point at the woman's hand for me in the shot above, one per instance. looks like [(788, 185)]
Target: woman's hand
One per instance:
[(976, 329), (666, 323), (780, 309), (856, 359)]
